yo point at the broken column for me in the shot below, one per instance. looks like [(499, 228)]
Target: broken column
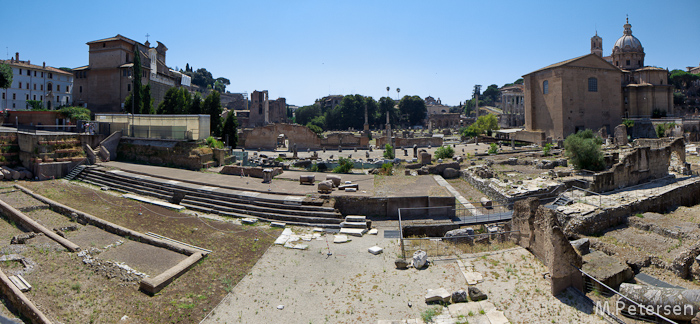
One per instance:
[(425, 158), (621, 135), (267, 175)]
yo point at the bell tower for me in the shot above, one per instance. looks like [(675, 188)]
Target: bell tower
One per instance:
[(597, 45)]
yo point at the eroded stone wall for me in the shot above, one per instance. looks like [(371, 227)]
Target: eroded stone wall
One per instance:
[(650, 160), (540, 233)]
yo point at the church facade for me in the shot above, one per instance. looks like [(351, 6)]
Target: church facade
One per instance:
[(593, 92)]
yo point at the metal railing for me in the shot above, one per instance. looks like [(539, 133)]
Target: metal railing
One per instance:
[(604, 296), (454, 246)]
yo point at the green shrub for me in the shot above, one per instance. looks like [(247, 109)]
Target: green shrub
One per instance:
[(628, 123), (388, 152), (75, 113), (583, 149), (315, 129), (387, 168), (660, 130), (444, 152), (493, 148), (214, 143), (344, 165), (546, 149)]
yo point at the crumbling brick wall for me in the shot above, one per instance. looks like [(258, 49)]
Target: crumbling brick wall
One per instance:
[(540, 233)]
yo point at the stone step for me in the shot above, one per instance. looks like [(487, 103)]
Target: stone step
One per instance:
[(355, 218), (166, 192), (353, 231), (346, 224)]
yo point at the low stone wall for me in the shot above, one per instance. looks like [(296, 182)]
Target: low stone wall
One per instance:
[(180, 154), (108, 226), (535, 137), (28, 223), (687, 195), (255, 172), (389, 206), (20, 302), (153, 285), (409, 142), (483, 185)]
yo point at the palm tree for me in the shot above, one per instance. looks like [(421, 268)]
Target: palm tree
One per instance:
[(397, 93), (387, 92)]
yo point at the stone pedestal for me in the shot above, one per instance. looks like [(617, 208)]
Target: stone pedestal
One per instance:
[(267, 175), (425, 158)]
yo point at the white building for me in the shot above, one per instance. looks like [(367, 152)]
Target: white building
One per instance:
[(33, 82)]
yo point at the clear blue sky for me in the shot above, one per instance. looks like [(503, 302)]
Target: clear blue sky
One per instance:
[(304, 50)]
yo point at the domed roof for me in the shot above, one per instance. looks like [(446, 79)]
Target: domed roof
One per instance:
[(628, 43)]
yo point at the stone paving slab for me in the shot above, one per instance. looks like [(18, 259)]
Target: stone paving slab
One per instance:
[(496, 317), (153, 201), (472, 277)]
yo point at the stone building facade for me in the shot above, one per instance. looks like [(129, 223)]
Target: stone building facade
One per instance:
[(513, 106), (592, 91), (103, 84), (42, 83), (264, 111)]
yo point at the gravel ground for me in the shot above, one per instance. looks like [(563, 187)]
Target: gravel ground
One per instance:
[(354, 286)]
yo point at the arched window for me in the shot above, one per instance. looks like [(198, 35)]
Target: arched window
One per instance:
[(545, 87), (49, 87), (592, 85)]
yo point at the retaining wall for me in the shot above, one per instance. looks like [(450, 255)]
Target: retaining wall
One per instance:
[(389, 206), (20, 301)]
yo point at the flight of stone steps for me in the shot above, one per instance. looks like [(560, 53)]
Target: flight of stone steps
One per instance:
[(226, 202), (355, 225)]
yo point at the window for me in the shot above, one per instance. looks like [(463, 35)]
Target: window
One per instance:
[(13, 105), (34, 97), (27, 97), (639, 63), (34, 73), (128, 87), (41, 86), (58, 99), (58, 88), (50, 75), (127, 57), (20, 71), (3, 96), (14, 96), (81, 89), (592, 85), (545, 87), (49, 87), (27, 85), (20, 85), (42, 74), (34, 86), (628, 62), (41, 98)]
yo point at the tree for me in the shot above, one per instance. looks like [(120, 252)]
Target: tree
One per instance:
[(412, 110), (490, 95), (444, 152), (202, 78), (682, 80), (147, 101), (75, 113), (583, 149), (35, 105), (318, 121), (231, 129), (344, 165), (196, 104), (678, 98), (306, 113), (483, 125), (221, 83), (388, 151), (5, 76), (212, 107), (187, 67), (176, 101), (136, 86)]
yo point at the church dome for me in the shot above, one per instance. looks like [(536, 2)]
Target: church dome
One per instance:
[(628, 43)]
